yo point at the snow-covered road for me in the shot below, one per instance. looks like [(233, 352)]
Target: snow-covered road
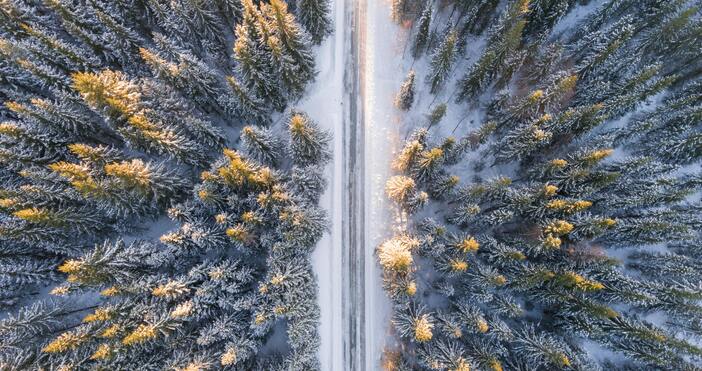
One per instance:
[(325, 103), (360, 68)]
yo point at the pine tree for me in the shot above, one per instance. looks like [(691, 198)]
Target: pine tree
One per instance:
[(422, 36), (64, 117), (442, 61), (154, 182), (405, 97), (191, 76), (204, 19), (503, 45), (121, 41), (120, 100), (415, 323), (248, 105), (314, 16), (262, 145), (253, 56), (523, 141), (308, 143), (44, 44), (542, 349), (407, 158), (437, 114), (118, 186), (429, 164), (604, 46), (544, 14), (478, 16), (82, 25), (106, 264), (294, 44), (400, 189), (308, 182)]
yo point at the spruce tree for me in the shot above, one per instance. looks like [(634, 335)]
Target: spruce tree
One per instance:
[(314, 16), (248, 105), (294, 58), (405, 97), (437, 114), (503, 50), (253, 56), (442, 61), (262, 145), (308, 142), (422, 36)]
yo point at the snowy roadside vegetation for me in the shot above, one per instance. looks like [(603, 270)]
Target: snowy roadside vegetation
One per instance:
[(158, 195), (550, 182)]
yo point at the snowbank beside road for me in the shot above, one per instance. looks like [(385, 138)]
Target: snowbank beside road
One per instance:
[(382, 71), (324, 104)]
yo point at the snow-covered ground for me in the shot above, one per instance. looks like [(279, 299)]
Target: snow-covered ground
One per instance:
[(383, 69), (324, 104)]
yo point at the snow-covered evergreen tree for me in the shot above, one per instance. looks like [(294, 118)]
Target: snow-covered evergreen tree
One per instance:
[(421, 38), (442, 61), (405, 97), (314, 16)]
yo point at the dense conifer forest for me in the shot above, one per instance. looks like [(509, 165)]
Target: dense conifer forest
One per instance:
[(561, 229), (158, 196)]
